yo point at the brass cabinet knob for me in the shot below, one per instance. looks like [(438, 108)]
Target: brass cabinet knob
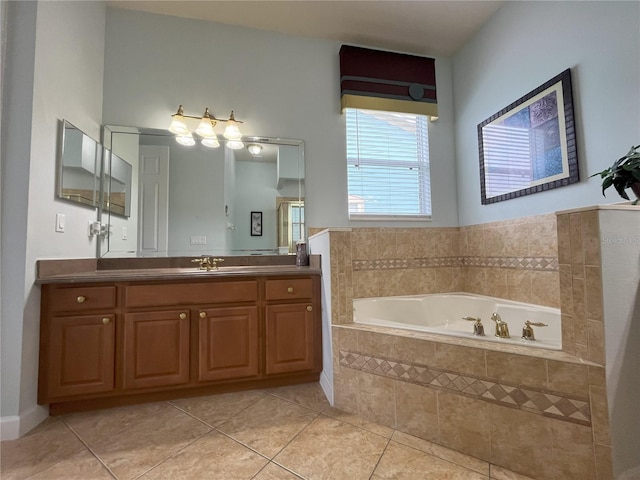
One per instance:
[(106, 321), (183, 316), (203, 314), (81, 299), (290, 289), (309, 308)]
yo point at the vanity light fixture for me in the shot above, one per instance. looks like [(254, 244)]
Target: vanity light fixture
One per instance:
[(205, 129), (254, 148)]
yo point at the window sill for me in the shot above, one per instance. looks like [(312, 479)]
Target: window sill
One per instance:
[(389, 218)]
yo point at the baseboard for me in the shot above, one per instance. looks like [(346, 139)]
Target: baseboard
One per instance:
[(14, 426), (327, 387)]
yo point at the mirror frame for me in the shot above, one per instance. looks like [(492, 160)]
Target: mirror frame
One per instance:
[(109, 130), (63, 127)]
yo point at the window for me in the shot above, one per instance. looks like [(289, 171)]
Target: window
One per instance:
[(387, 165)]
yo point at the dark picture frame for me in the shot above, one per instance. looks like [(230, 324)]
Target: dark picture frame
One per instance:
[(256, 224), (530, 145)]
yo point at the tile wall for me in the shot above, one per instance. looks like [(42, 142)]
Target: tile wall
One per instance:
[(542, 418), (515, 259), (581, 285)]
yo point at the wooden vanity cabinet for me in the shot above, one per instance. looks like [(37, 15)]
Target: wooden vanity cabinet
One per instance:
[(77, 341), (110, 344), (156, 349), (292, 331)]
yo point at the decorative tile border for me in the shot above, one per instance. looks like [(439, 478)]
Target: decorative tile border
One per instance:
[(535, 401), (526, 263)]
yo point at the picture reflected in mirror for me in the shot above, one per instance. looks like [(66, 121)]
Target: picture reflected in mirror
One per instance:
[(194, 200)]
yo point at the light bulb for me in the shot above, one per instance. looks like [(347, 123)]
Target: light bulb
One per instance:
[(205, 128), (254, 149), (186, 140), (235, 144), (232, 131), (211, 142), (178, 125)]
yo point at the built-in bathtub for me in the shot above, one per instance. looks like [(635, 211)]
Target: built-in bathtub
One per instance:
[(443, 314)]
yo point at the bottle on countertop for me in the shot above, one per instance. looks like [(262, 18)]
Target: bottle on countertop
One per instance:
[(302, 258)]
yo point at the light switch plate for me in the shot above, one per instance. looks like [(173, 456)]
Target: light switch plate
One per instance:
[(60, 220), (198, 240)]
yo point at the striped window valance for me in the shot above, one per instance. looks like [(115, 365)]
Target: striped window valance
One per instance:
[(394, 82)]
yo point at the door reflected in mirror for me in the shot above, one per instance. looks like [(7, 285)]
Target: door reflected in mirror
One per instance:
[(194, 200), (78, 166)]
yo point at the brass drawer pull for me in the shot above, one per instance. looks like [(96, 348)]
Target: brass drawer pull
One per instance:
[(290, 289), (309, 308), (106, 321), (81, 299), (183, 316), (203, 314)]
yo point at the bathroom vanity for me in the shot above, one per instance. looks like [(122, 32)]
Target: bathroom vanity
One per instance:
[(111, 337)]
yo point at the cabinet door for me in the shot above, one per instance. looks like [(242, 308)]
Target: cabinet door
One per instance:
[(228, 342), (156, 349), (290, 338), (80, 355)]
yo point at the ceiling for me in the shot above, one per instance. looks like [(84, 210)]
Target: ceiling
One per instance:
[(425, 27)]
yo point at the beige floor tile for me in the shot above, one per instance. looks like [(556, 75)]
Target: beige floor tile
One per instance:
[(82, 465), (148, 442), (330, 449), (275, 472), (359, 422), (308, 395), (268, 425), (215, 409), (211, 456), (100, 425), (499, 473), (444, 453), (400, 462), (38, 451)]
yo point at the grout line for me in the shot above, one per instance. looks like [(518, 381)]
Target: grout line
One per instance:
[(64, 420), (380, 458)]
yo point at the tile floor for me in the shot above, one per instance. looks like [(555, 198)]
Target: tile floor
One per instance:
[(283, 433)]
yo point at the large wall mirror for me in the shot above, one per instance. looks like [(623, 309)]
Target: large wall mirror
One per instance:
[(78, 166), (194, 200)]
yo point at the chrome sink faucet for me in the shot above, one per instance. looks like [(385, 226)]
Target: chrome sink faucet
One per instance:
[(502, 329), (207, 263)]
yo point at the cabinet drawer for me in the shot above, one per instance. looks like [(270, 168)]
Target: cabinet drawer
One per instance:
[(289, 289), (186, 294), (74, 299)]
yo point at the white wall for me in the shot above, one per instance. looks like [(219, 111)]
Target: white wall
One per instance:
[(279, 86), (255, 191), (55, 71), (522, 46)]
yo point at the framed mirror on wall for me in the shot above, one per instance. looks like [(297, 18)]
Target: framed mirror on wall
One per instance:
[(78, 169), (193, 200), (530, 145)]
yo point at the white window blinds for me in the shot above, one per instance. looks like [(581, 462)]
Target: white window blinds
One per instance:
[(387, 165)]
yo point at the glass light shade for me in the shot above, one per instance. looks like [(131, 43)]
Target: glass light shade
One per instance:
[(235, 144), (186, 140), (211, 142), (205, 128), (254, 148), (178, 125), (232, 132)]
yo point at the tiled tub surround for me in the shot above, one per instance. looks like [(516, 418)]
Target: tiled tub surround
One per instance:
[(516, 260), (543, 416)]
